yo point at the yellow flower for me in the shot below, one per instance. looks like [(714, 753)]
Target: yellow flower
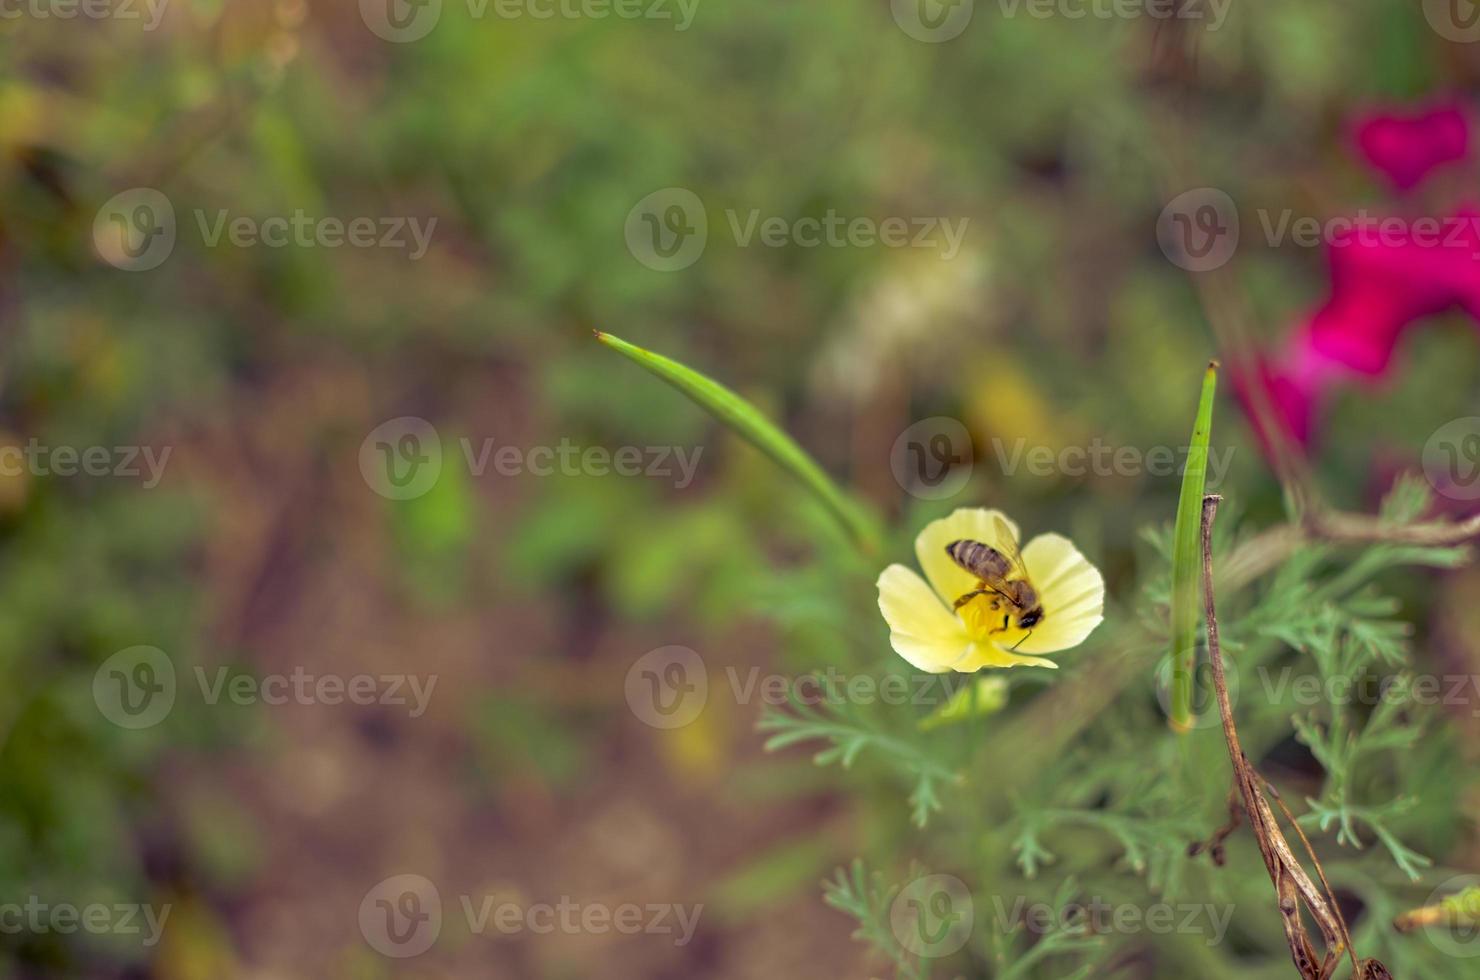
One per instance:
[(926, 631)]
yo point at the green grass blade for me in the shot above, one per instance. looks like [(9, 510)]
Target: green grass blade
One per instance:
[(742, 417), (1186, 567)]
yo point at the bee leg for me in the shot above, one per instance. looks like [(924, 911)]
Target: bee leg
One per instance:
[(969, 596)]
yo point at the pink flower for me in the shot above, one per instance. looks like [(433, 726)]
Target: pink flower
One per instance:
[(1407, 147), (1386, 275)]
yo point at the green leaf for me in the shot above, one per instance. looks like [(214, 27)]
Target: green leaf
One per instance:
[(1186, 568), (742, 417)]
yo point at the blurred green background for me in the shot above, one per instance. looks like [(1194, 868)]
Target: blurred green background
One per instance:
[(266, 370)]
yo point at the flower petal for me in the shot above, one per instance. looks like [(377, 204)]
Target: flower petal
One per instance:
[(950, 580), (1406, 146), (991, 655), (922, 630), (1072, 592)]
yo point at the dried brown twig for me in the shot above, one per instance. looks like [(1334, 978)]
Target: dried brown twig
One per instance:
[(1291, 883)]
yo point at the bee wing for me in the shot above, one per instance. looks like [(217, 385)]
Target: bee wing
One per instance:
[(1007, 544)]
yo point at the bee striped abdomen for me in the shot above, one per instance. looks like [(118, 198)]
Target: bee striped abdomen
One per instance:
[(983, 561)]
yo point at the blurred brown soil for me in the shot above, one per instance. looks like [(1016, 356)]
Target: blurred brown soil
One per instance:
[(301, 569)]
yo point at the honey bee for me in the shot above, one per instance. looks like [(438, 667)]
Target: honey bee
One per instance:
[(1001, 574)]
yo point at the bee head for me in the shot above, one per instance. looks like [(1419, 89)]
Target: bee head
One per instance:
[(1031, 618)]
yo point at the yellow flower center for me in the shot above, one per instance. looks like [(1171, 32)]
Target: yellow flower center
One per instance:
[(991, 619)]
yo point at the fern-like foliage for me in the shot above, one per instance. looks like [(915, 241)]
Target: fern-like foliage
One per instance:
[(846, 733), (868, 898)]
